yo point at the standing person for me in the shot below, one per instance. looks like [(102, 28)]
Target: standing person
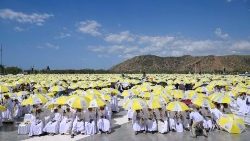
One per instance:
[(197, 123), (67, 122), (8, 114), (114, 103), (18, 109), (108, 111), (162, 120), (103, 122), (52, 127), (90, 126), (130, 114), (78, 123), (172, 120), (138, 122), (151, 121), (36, 127), (179, 122)]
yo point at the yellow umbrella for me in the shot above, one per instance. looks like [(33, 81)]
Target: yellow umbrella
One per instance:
[(220, 98), (50, 105), (61, 100), (56, 89), (177, 93), (97, 102), (4, 89), (135, 104), (154, 103), (203, 102), (77, 102), (2, 108), (106, 97), (177, 106), (232, 123), (32, 100), (145, 94)]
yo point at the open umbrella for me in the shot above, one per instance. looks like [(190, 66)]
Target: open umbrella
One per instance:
[(97, 102), (177, 106), (203, 102), (232, 123), (2, 108), (77, 102), (135, 104)]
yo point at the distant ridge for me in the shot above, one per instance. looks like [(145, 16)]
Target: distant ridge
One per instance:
[(184, 64)]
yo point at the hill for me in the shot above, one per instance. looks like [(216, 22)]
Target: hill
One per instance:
[(184, 64)]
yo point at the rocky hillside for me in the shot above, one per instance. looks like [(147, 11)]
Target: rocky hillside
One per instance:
[(184, 64)]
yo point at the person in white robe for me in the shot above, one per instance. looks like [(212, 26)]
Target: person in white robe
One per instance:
[(36, 127), (67, 122), (91, 125), (172, 120), (114, 103), (138, 121), (108, 111), (17, 109), (78, 123), (8, 114), (103, 122), (130, 114), (162, 120), (52, 127), (179, 122), (151, 121)]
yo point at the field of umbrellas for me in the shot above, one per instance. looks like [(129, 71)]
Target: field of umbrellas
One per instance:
[(171, 92)]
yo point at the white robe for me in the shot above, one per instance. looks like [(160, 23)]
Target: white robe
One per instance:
[(90, 126), (8, 114), (79, 124), (36, 127), (18, 111), (138, 123), (53, 125), (172, 124), (66, 124), (104, 125), (163, 126), (151, 125), (114, 104), (108, 112), (130, 113), (179, 127)]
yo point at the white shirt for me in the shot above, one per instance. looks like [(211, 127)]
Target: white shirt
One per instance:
[(196, 116)]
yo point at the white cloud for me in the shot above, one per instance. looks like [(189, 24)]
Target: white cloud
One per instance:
[(33, 18), (49, 46), (90, 27), (218, 32), (157, 41), (241, 46), (18, 29), (63, 35), (124, 36), (126, 45)]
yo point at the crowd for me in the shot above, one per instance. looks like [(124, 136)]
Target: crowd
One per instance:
[(50, 118)]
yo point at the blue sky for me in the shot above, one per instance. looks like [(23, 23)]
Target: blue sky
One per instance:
[(99, 34)]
